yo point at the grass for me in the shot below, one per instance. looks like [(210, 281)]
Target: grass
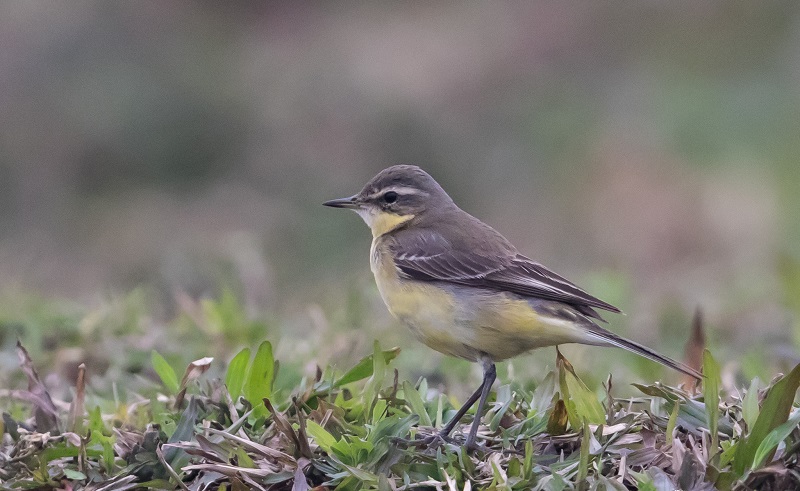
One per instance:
[(250, 429)]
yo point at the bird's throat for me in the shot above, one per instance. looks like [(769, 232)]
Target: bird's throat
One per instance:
[(381, 222)]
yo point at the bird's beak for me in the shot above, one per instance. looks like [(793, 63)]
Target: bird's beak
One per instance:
[(350, 202)]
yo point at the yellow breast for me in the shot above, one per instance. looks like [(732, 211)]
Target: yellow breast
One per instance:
[(427, 310)]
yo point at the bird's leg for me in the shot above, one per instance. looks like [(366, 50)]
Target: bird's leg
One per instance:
[(489, 376), (444, 433)]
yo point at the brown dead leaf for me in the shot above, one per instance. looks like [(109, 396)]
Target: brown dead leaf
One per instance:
[(693, 351), (45, 412), (557, 422), (194, 370), (277, 455), (283, 425), (76, 407)]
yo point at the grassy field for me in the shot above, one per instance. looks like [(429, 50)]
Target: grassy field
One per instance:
[(166, 265), (268, 417)]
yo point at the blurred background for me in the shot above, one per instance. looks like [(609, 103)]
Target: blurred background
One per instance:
[(162, 167)]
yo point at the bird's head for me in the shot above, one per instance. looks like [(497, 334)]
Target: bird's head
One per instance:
[(395, 196)]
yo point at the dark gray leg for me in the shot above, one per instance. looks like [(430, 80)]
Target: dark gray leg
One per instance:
[(489, 376), (445, 432)]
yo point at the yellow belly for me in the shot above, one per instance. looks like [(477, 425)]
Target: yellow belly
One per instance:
[(466, 322)]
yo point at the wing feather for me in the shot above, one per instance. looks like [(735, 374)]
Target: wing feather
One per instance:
[(424, 257)]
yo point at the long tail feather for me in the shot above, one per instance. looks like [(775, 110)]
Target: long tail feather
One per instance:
[(620, 342)]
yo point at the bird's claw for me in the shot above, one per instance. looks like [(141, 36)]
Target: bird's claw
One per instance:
[(432, 441), (438, 439), (475, 446)]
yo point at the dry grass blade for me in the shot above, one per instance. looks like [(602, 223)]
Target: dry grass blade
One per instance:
[(45, 411), (169, 469), (123, 483), (693, 351), (285, 427), (199, 449), (305, 448), (230, 470), (76, 408), (300, 482), (194, 370), (251, 484), (263, 450), (220, 453)]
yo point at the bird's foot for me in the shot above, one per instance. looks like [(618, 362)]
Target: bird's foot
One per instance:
[(435, 440), (473, 446), (439, 439)]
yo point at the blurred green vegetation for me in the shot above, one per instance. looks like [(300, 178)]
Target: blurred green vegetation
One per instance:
[(162, 169), (116, 341)]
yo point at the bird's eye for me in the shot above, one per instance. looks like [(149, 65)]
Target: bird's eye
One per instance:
[(390, 197)]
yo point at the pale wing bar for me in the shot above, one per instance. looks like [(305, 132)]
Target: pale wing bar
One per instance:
[(443, 267)]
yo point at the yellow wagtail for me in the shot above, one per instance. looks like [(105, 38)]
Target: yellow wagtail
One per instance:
[(463, 289)]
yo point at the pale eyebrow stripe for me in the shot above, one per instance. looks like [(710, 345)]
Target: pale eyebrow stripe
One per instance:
[(398, 190)]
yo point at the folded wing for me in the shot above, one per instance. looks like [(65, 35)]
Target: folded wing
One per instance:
[(426, 256)]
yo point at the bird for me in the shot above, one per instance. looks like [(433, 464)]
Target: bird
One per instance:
[(464, 290)]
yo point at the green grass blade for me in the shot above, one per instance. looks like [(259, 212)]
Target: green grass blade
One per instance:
[(673, 421), (543, 395), (165, 372), (414, 399), (583, 466), (711, 383), (375, 382), (237, 372), (260, 377), (774, 412), (750, 404), (364, 368), (321, 437), (184, 432), (527, 464), (581, 402), (773, 439)]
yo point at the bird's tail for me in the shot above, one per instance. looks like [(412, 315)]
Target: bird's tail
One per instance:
[(620, 342)]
